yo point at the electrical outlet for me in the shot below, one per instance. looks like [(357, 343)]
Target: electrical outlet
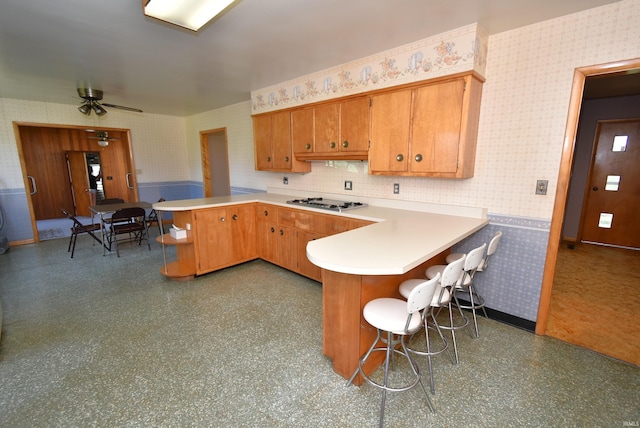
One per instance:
[(348, 185), (396, 188), (541, 187), (285, 180)]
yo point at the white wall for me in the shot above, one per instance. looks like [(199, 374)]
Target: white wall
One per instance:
[(523, 117), (158, 141)]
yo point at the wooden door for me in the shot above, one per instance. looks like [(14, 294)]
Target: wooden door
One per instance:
[(262, 142), (243, 232), (47, 179), (305, 267), (79, 178), (326, 125), (302, 130), (435, 133), (613, 196), (354, 125), (266, 242), (118, 179), (281, 141), (213, 239), (287, 248), (390, 117)]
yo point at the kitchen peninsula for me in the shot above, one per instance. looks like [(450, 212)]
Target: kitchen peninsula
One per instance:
[(363, 254)]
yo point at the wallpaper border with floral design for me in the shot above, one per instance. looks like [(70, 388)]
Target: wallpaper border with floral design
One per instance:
[(463, 49)]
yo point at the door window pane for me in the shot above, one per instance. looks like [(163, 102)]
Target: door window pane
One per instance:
[(620, 143), (613, 182), (605, 220)]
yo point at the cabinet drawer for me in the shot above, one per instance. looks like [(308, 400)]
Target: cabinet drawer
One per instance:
[(266, 212), (302, 220)]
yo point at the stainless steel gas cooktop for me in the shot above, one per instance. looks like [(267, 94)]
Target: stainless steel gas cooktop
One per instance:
[(327, 204)]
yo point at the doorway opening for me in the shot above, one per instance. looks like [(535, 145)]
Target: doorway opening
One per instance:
[(563, 203), (56, 160), (95, 177), (215, 162)]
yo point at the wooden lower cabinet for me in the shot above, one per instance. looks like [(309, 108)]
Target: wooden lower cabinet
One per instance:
[(305, 267), (225, 236)]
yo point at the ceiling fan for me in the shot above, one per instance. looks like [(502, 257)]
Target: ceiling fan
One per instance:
[(102, 137), (91, 102)]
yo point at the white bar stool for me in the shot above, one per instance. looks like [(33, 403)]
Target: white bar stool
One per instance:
[(451, 275), (396, 319), (476, 301)]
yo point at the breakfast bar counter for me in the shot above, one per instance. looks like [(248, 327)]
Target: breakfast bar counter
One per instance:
[(365, 263)]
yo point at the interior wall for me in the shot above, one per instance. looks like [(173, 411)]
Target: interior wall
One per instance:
[(592, 111), (158, 144)]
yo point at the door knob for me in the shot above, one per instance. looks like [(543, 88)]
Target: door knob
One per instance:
[(595, 188), (400, 157)]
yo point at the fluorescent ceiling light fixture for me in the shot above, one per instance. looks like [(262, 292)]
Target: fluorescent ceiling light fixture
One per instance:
[(191, 14)]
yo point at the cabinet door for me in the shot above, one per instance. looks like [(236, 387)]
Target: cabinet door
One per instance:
[(287, 248), (305, 267), (354, 125), (213, 239), (243, 233), (262, 142), (281, 140), (302, 130), (390, 118), (326, 126), (266, 241), (435, 136)]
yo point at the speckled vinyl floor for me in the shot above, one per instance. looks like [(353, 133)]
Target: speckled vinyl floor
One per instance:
[(109, 342)]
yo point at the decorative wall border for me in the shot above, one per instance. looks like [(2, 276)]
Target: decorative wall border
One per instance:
[(520, 222), (456, 51)]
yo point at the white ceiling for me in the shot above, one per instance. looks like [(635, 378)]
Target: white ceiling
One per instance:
[(49, 48)]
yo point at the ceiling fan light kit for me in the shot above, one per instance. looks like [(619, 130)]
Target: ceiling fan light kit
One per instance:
[(91, 103), (102, 137), (190, 14)]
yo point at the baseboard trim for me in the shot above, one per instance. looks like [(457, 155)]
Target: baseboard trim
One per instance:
[(505, 318)]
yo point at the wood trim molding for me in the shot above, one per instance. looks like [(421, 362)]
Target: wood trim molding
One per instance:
[(564, 175)]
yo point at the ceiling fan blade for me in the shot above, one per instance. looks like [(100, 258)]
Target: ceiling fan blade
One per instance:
[(122, 107)]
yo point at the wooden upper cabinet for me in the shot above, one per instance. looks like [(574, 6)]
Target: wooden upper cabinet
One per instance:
[(272, 141), (390, 117), (354, 125), (281, 141), (302, 130), (427, 131), (327, 128), (338, 130), (262, 142)]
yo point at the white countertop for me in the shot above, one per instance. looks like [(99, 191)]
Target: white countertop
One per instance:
[(400, 240)]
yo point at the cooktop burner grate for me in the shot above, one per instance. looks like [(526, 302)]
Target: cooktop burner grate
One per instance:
[(327, 204)]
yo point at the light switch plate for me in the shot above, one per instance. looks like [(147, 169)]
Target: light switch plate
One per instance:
[(348, 185), (541, 187)]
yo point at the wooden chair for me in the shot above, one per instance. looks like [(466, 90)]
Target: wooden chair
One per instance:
[(130, 221), (79, 228)]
